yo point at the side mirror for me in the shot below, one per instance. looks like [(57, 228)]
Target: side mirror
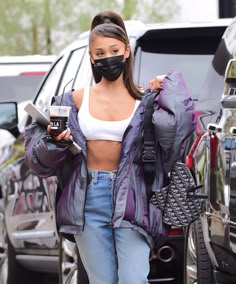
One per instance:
[(230, 72), (9, 117), (230, 78)]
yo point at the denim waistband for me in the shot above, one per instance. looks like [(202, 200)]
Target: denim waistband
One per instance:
[(102, 175)]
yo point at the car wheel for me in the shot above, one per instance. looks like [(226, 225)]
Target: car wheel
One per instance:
[(71, 269), (3, 251), (198, 267)]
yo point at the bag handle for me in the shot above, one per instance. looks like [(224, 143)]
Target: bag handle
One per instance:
[(149, 145)]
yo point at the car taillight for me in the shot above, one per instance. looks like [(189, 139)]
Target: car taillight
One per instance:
[(32, 73), (189, 158), (176, 232)]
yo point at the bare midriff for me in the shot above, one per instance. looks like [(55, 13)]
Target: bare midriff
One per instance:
[(103, 155)]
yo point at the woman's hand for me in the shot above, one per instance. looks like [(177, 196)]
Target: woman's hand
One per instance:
[(65, 135), (156, 83)]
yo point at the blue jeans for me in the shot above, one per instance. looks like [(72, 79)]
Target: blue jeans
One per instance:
[(110, 256)]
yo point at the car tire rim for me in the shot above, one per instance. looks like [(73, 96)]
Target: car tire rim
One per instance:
[(191, 260), (3, 251), (68, 262)]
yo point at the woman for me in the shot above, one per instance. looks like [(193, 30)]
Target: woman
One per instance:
[(114, 18), (104, 203)]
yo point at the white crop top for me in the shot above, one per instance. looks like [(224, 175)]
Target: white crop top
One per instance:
[(96, 129)]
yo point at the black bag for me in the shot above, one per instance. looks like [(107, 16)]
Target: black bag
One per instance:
[(180, 201)]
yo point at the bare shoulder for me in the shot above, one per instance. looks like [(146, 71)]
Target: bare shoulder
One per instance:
[(78, 97)]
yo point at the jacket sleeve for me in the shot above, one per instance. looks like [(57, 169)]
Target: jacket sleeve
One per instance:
[(174, 120), (42, 155)]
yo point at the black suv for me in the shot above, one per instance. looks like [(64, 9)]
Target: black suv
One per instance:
[(211, 240), (29, 239)]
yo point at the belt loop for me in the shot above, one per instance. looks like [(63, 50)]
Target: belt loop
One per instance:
[(113, 175), (95, 176)]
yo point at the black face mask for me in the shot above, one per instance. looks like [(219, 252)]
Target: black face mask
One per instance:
[(110, 67)]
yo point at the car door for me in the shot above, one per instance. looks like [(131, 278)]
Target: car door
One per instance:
[(30, 210)]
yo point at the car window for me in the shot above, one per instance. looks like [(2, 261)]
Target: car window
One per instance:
[(71, 70), (187, 50), (20, 88), (160, 63), (84, 76), (49, 87)]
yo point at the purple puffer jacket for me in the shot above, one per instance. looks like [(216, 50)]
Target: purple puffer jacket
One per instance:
[(174, 122)]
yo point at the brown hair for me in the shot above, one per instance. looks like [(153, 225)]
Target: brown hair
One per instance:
[(108, 17), (114, 31)]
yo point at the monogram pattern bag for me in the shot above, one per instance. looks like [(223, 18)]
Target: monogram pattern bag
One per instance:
[(180, 201)]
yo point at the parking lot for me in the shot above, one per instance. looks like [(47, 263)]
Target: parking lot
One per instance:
[(29, 233)]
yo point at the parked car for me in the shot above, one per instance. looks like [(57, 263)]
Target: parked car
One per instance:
[(30, 239), (210, 249), (20, 77)]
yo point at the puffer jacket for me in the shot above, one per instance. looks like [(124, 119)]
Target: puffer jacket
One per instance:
[(173, 121)]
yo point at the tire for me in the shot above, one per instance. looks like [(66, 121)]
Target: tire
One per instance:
[(197, 264), (3, 251), (71, 269)]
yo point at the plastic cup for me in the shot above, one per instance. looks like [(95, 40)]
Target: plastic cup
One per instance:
[(59, 118)]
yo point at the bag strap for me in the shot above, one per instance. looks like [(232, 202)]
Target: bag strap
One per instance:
[(149, 147)]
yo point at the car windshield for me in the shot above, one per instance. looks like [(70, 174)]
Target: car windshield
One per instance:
[(188, 50), (19, 88), (159, 63)]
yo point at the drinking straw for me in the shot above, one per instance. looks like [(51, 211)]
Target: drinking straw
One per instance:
[(65, 89)]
